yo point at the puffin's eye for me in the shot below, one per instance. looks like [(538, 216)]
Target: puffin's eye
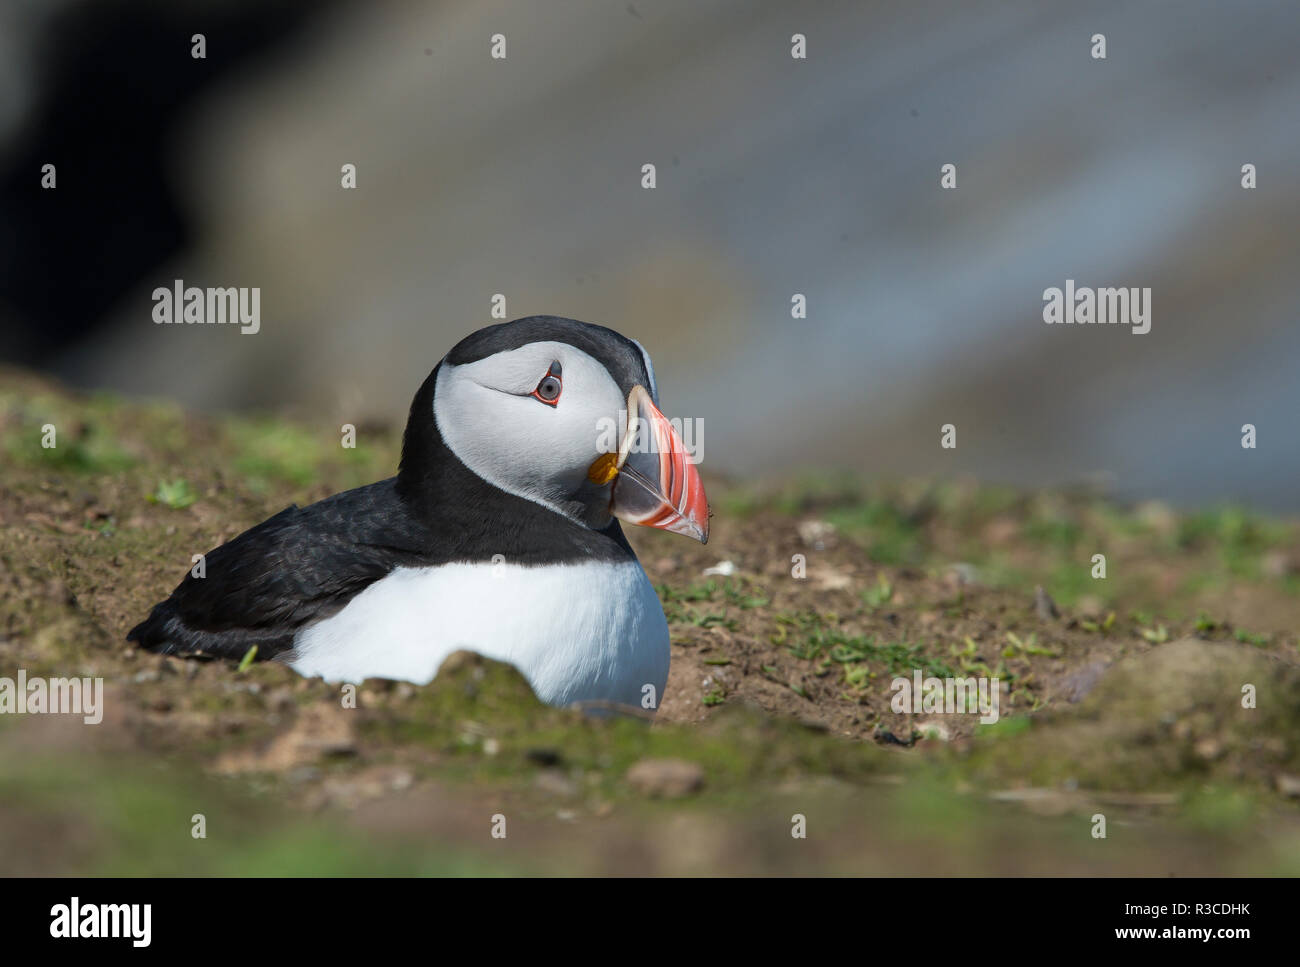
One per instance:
[(548, 390)]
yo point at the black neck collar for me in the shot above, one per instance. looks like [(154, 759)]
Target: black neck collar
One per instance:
[(460, 508)]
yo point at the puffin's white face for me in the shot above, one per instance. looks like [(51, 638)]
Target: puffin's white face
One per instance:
[(549, 423), (502, 417)]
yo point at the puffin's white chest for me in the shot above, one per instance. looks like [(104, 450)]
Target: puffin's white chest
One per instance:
[(577, 631)]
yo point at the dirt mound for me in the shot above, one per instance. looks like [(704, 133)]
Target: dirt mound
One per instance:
[(1181, 715)]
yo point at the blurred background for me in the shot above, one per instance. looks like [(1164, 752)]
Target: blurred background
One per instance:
[(775, 176)]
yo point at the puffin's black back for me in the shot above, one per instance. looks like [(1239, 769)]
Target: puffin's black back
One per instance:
[(305, 564)]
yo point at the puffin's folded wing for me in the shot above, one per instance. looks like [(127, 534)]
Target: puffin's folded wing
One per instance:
[(298, 567)]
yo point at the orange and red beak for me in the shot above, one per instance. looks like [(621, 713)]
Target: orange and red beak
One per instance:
[(655, 482)]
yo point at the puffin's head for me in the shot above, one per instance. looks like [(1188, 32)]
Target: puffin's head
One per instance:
[(565, 414)]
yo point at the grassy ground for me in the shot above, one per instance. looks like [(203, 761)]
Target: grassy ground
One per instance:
[(1121, 697)]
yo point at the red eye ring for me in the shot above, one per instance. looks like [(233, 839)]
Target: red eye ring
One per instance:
[(550, 387)]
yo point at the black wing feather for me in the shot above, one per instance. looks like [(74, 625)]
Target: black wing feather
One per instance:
[(298, 567)]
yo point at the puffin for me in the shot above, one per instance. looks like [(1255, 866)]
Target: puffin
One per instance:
[(524, 450)]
